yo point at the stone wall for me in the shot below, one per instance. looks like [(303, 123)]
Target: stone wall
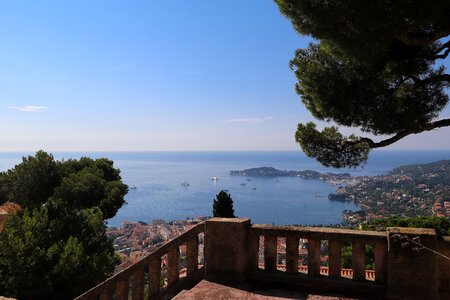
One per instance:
[(403, 268)]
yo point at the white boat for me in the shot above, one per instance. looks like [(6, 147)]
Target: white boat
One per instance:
[(185, 184), (214, 178)]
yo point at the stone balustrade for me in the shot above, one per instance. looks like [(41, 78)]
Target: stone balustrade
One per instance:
[(130, 282), (237, 251), (314, 236)]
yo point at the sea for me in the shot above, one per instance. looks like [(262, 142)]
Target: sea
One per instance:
[(157, 192)]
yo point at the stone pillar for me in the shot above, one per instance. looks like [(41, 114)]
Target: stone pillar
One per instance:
[(313, 258), (122, 289), (192, 254), (358, 261), (173, 265), (154, 276), (381, 252), (270, 253), (334, 258), (292, 254), (226, 248), (137, 285), (412, 272)]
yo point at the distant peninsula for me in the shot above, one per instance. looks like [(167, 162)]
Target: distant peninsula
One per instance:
[(336, 178)]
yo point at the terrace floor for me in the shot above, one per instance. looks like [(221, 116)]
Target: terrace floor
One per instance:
[(217, 291)]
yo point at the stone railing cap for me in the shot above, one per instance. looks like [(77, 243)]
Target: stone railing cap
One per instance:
[(410, 230), (228, 220)]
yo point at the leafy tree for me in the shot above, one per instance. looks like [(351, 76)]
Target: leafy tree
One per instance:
[(223, 205), (375, 65), (57, 248), (31, 182)]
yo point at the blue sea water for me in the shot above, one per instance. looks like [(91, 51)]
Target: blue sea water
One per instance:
[(159, 194)]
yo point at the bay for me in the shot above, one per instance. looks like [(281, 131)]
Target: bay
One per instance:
[(159, 194)]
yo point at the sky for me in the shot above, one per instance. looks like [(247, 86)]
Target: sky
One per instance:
[(152, 76)]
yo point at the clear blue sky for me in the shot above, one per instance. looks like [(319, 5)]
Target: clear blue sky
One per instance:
[(152, 75)]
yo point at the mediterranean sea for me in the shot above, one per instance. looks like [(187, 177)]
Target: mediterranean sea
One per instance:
[(158, 193)]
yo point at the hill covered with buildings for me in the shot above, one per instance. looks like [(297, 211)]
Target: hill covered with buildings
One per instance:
[(407, 191)]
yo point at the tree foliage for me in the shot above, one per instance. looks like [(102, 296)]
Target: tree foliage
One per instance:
[(223, 205), (57, 248), (375, 65)]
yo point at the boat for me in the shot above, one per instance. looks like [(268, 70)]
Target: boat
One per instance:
[(185, 184), (243, 184), (133, 187), (214, 178)]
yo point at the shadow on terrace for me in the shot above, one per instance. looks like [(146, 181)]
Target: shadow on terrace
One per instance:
[(252, 261)]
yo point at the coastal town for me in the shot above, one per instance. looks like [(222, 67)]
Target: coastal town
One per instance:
[(134, 240), (407, 191)]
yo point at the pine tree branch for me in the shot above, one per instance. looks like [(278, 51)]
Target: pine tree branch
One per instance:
[(433, 79), (446, 52), (400, 135), (423, 39), (444, 55)]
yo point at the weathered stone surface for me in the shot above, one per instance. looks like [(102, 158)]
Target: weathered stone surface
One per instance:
[(444, 266), (226, 248), (212, 290), (334, 256), (412, 272)]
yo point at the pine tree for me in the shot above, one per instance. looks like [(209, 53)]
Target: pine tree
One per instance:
[(223, 205), (375, 66)]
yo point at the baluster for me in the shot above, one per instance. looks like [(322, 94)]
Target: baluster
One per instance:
[(334, 258), (292, 255), (122, 289), (313, 257), (192, 254), (138, 284), (380, 262), (154, 276), (107, 292), (253, 251), (173, 268), (270, 253), (358, 261)]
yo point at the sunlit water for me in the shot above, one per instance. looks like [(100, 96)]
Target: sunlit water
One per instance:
[(159, 194)]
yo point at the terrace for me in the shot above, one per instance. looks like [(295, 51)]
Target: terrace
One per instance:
[(241, 260)]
